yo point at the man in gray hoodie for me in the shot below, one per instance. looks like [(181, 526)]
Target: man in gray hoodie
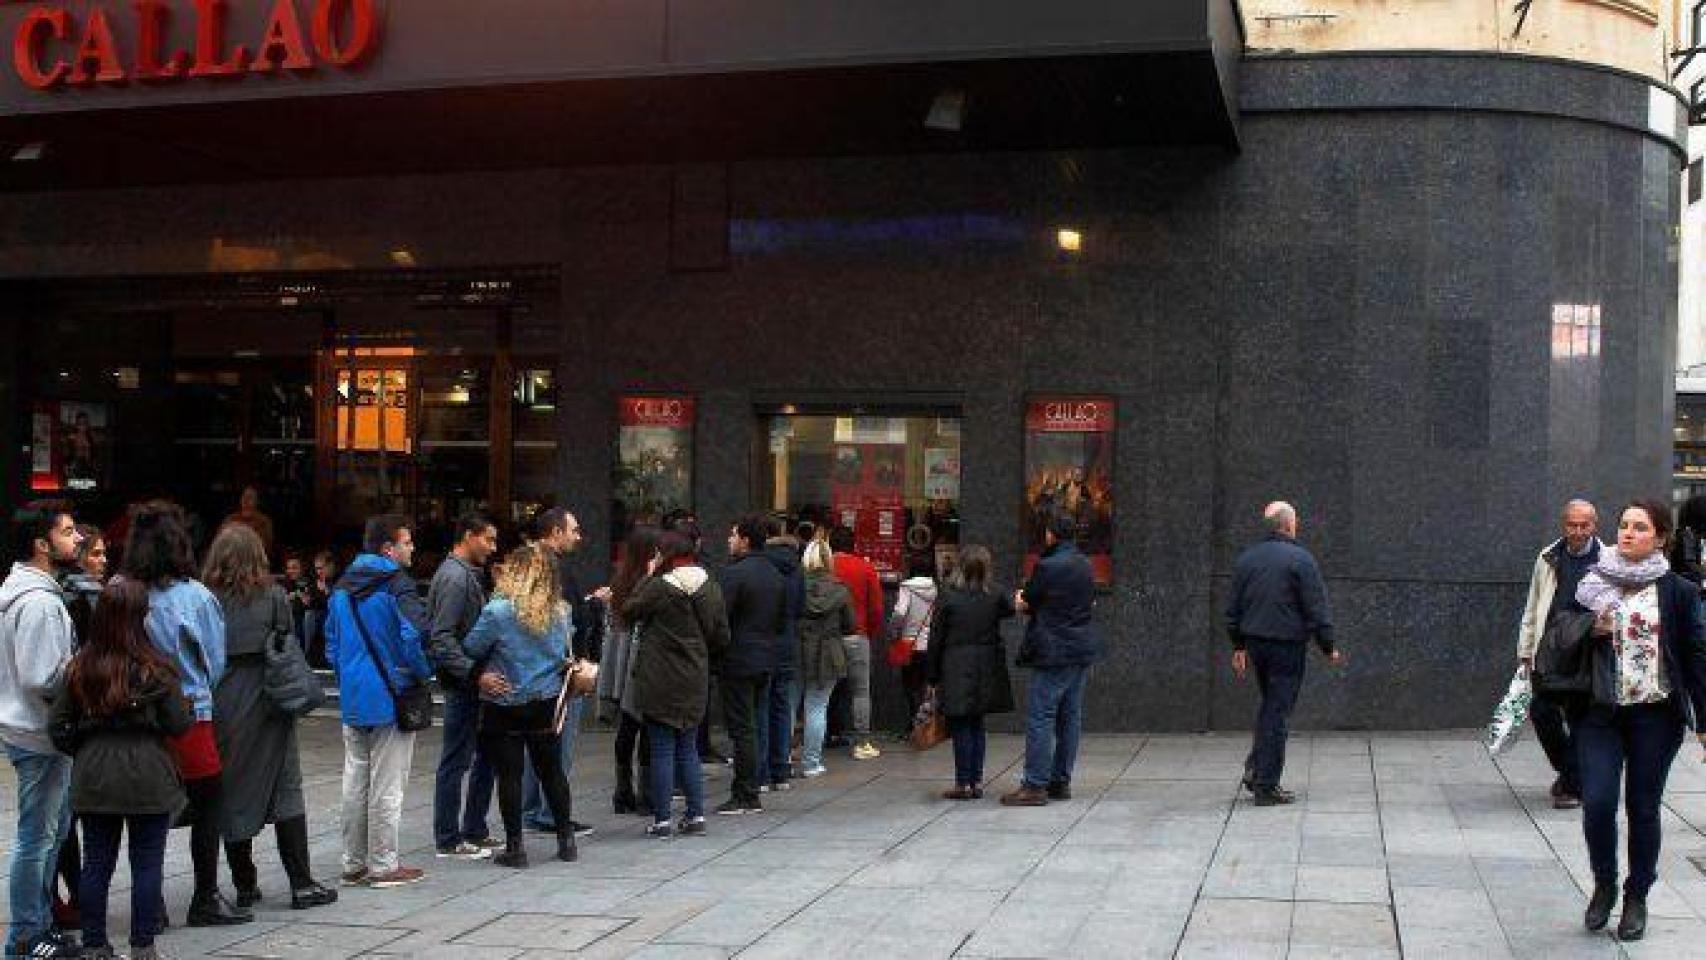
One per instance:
[(36, 638)]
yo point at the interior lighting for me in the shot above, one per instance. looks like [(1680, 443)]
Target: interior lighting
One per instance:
[(29, 152), (402, 258), (1069, 240)]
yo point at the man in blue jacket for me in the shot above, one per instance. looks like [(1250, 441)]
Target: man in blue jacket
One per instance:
[(1278, 603), (1061, 642), (377, 755)]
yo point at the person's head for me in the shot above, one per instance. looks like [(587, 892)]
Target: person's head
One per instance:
[(841, 539), (637, 552), (775, 526), (818, 557), (529, 581), (1581, 522), (236, 565), (1060, 528), (558, 530), (325, 565), (388, 535), (157, 550), (1281, 518), (806, 531), (689, 528), (1643, 526), (45, 535), (476, 539), (972, 571), (746, 535), (249, 501), (92, 551), (116, 658), (921, 566), (293, 567), (676, 549)]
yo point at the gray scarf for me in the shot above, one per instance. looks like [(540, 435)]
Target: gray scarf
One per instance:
[(1602, 589)]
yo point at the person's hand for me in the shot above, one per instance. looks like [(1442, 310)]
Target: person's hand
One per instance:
[(1603, 623), (1019, 603), (602, 593), (1336, 658), (493, 685), (1240, 662), (652, 564)]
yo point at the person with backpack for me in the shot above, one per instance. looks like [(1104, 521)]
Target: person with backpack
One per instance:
[(374, 629), (1558, 570), (121, 706)]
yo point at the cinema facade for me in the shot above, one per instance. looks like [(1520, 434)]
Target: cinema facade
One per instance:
[(927, 270)]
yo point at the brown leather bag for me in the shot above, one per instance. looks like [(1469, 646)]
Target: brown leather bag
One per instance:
[(929, 728)]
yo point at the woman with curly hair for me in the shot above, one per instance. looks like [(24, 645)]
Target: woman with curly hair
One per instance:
[(523, 634)]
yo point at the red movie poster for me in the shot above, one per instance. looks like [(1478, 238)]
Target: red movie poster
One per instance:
[(867, 485), (654, 461), (1069, 466)]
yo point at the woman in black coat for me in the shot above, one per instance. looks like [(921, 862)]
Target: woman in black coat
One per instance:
[(967, 664), (1649, 687)]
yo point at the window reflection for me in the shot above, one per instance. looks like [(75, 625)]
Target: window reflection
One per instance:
[(1575, 330)]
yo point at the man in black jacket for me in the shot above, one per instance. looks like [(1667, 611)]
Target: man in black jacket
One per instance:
[(781, 701), (1278, 603), (753, 595), (454, 601), (1061, 642)]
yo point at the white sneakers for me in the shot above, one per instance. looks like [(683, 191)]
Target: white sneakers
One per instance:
[(866, 751), (814, 771)]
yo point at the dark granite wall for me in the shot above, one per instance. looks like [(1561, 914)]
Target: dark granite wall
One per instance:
[(1354, 313)]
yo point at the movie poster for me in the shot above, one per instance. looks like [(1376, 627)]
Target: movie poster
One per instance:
[(654, 461), (1069, 466), (70, 446), (867, 494)]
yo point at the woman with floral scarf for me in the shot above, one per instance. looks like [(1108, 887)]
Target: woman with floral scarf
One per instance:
[(1649, 670)]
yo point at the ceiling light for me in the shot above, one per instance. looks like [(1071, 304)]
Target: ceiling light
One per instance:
[(402, 258), (947, 111), (1069, 240), (29, 151)]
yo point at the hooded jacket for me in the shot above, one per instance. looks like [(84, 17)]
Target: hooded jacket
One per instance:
[(377, 590), (683, 625), (753, 597), (36, 640), (784, 554), (123, 765), (187, 624), (914, 603), (828, 617)]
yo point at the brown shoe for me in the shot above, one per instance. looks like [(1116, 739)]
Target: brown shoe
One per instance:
[(960, 793), (402, 876), (1025, 797)]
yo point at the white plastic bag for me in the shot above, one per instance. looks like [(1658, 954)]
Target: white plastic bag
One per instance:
[(1510, 714)]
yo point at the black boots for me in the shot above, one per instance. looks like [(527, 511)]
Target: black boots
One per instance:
[(623, 800), (210, 909), (1599, 906), (514, 854), (566, 851), (1633, 925), (642, 796)]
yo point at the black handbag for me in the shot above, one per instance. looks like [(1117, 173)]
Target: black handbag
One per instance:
[(414, 702), (1563, 661), (289, 682)]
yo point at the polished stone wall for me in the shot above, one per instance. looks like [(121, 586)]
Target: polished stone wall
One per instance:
[(1356, 313)]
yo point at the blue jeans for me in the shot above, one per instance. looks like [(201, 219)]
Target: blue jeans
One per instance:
[(970, 745), (462, 758), (44, 815), (675, 760), (535, 808), (1279, 675), (101, 833), (1629, 748), (1054, 716), (817, 724), (776, 725)]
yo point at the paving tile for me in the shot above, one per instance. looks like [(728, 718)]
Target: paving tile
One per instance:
[(1343, 884), (309, 941), (1343, 925)]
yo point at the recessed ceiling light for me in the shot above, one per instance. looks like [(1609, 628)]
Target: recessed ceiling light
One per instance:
[(1069, 240), (29, 151)]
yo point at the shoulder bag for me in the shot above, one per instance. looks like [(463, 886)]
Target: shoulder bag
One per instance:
[(289, 682), (902, 647), (414, 702), (1563, 662)]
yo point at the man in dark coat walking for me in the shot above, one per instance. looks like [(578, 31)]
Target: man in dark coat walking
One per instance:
[(1061, 642), (753, 597), (1279, 602)]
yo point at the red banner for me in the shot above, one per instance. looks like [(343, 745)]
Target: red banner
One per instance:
[(1071, 415), (867, 486), (656, 412)]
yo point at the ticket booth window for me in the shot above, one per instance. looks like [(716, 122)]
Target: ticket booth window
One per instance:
[(893, 480)]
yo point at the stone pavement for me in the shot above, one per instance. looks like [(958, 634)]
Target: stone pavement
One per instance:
[(1403, 845)]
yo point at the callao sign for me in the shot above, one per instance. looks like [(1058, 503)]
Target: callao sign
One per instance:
[(657, 412), (121, 42), (1071, 415)]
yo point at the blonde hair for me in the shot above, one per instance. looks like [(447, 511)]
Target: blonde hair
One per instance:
[(529, 581), (819, 556)]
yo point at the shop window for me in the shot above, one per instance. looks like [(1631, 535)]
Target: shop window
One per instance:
[(533, 412), (893, 480), (653, 474)]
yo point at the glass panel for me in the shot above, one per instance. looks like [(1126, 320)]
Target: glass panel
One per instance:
[(534, 402), (894, 481), (533, 480), (1069, 468), (373, 410), (653, 475), (456, 405)]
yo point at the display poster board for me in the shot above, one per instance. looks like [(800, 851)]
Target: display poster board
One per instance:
[(1069, 465), (868, 490), (654, 461), (70, 446)]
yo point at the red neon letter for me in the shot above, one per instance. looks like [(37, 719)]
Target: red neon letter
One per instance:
[(150, 35), (359, 41), (281, 44), (210, 43), (98, 50), (27, 46)]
